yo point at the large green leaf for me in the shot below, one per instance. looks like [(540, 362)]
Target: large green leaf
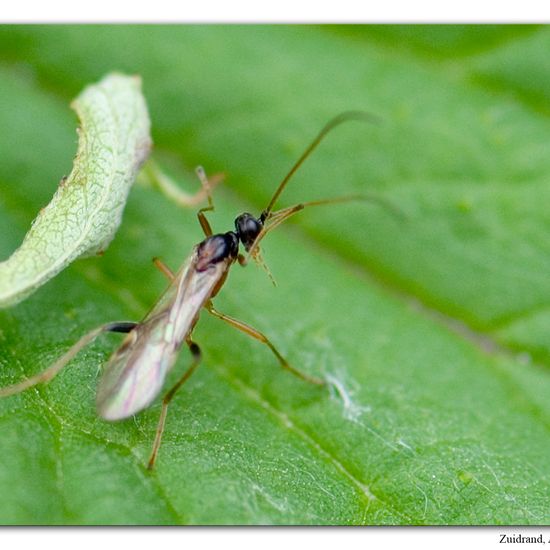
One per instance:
[(435, 332)]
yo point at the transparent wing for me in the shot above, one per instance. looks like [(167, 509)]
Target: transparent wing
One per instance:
[(135, 373)]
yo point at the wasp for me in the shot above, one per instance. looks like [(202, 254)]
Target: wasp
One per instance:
[(135, 373)]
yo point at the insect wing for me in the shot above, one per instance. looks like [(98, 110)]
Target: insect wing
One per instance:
[(135, 373)]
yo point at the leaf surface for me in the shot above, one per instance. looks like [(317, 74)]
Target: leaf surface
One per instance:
[(434, 332)]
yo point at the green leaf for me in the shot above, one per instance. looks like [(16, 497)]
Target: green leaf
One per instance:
[(86, 210), (434, 332)]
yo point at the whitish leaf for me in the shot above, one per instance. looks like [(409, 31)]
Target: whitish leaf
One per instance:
[(86, 210)]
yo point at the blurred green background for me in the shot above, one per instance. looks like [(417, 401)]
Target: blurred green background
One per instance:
[(435, 331)]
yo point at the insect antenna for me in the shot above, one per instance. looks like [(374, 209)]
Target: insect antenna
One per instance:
[(346, 116), (271, 220), (277, 218)]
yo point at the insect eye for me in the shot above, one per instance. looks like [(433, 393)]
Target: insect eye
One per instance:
[(247, 227)]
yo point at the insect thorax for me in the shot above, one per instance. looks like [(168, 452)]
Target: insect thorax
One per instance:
[(217, 248)]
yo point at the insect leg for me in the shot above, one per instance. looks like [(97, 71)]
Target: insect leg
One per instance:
[(156, 177), (247, 329), (205, 224), (120, 326), (196, 352), (53, 370), (164, 269)]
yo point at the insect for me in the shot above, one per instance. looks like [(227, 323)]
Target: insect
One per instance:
[(135, 373)]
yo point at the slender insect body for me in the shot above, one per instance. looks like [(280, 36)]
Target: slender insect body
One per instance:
[(135, 373)]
